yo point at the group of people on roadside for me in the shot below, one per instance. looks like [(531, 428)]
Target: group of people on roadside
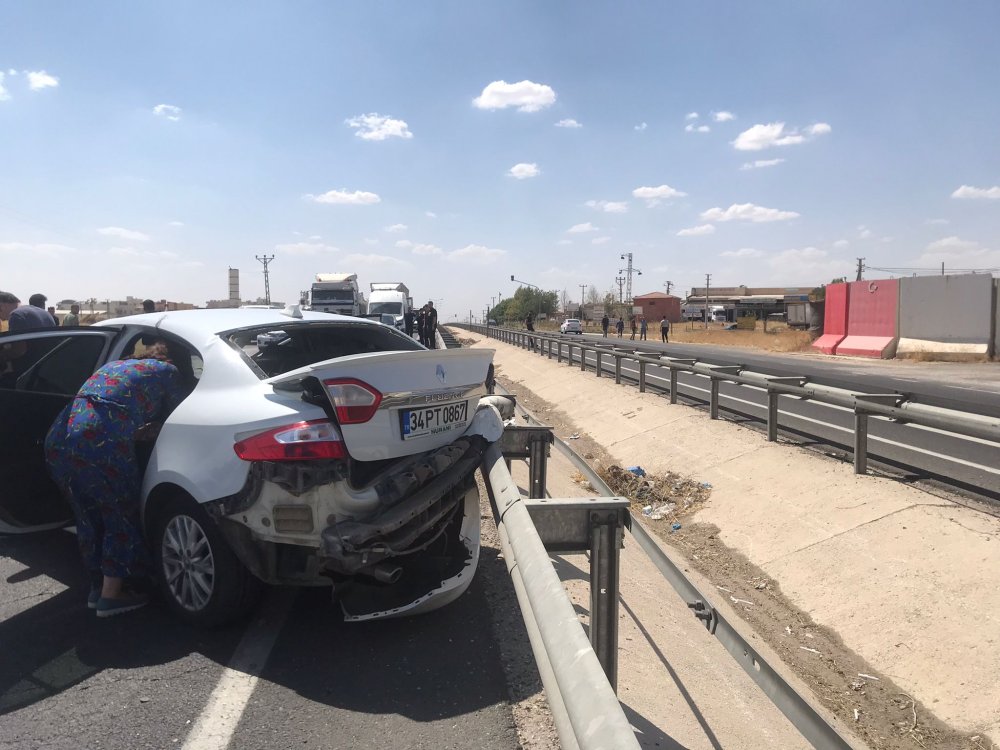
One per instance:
[(636, 323), (424, 321)]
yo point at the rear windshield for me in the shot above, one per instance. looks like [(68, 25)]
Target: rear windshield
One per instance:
[(392, 308), (275, 350), (332, 295)]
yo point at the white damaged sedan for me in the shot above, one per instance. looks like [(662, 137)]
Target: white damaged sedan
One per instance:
[(313, 449)]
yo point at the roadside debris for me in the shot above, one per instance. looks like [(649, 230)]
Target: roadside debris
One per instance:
[(659, 497), (810, 650)]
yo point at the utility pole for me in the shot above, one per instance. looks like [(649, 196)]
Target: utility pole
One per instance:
[(628, 271), (861, 267), (266, 259), (619, 280), (669, 285), (583, 296), (708, 281)]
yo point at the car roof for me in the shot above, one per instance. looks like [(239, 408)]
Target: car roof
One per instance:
[(195, 325)]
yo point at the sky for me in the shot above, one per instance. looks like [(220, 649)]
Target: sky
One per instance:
[(146, 148)]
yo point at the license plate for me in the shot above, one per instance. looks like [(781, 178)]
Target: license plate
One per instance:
[(430, 420)]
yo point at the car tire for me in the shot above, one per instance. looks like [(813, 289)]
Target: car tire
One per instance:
[(201, 579)]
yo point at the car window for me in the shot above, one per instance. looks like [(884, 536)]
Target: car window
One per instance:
[(65, 366), (274, 350)]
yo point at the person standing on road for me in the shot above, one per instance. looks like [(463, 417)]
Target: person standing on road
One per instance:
[(31, 315), (631, 322), (52, 311), (620, 326), (643, 324), (91, 456), (408, 318), (529, 323), (664, 329), (604, 324), (430, 326), (73, 318)]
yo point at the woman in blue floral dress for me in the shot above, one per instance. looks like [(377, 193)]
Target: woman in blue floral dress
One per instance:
[(90, 451)]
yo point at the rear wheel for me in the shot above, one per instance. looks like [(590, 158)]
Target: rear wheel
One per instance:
[(200, 577)]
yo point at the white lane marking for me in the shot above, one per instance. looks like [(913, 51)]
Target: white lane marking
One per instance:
[(218, 720), (850, 431)]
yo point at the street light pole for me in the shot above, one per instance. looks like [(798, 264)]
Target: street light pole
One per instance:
[(628, 271)]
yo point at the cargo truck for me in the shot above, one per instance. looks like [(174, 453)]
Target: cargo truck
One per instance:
[(389, 297), (337, 293)]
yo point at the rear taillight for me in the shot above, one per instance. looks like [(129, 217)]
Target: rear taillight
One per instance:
[(294, 442), (354, 401)]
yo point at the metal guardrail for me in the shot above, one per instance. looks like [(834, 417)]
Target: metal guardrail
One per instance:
[(812, 723), (585, 710), (894, 406)]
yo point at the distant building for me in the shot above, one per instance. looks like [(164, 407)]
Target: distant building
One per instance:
[(743, 300), (657, 304)]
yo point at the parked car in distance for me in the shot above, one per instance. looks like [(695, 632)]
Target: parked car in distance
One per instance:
[(571, 325), (312, 449)]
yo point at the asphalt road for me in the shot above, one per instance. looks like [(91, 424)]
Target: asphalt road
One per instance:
[(143, 680)]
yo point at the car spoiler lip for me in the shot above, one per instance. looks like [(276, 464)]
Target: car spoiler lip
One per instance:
[(340, 366)]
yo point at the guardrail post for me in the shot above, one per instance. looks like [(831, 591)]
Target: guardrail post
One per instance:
[(559, 352), (642, 376), (772, 416), (860, 443), (673, 385), (606, 531), (549, 347), (618, 369), (598, 368), (583, 359), (713, 409)]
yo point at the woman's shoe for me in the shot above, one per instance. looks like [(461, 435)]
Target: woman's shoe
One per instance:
[(93, 597), (129, 602)]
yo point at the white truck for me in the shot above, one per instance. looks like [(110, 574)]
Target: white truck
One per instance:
[(389, 297), (337, 293)]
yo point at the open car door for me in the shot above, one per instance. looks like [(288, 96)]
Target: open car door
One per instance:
[(35, 385)]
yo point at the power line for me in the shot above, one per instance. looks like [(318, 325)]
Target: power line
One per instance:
[(266, 259)]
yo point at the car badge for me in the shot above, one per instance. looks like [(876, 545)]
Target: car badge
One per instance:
[(441, 374)]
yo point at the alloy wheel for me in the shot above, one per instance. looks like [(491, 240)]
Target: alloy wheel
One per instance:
[(188, 564)]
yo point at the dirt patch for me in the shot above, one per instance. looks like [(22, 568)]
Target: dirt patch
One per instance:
[(886, 718)]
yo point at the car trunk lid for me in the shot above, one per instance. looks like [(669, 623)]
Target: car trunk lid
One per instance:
[(427, 398)]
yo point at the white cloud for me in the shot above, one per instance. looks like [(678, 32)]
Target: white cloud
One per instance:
[(808, 265), (600, 240), (937, 221), (45, 249), (692, 128), (39, 79), (568, 123), (653, 195), (306, 248), (169, 111), (175, 223), (841, 243), (760, 163), (864, 232), (396, 228), (125, 234), (404, 244), (967, 191), (760, 137), (370, 241), (344, 198), (691, 116), (131, 252), (611, 207), (723, 116), (747, 212), (743, 252), (477, 254), (527, 96), (430, 215), (579, 228), (374, 260), (523, 171), (641, 126), (426, 249), (375, 127), (697, 231), (958, 253), (4, 96), (314, 237)]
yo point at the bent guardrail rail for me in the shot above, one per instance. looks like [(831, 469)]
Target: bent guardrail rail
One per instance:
[(894, 406)]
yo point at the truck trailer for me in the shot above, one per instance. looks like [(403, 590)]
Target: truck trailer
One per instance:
[(337, 293)]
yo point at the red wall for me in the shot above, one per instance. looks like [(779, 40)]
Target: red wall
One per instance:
[(835, 310), (873, 308), (655, 308)]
